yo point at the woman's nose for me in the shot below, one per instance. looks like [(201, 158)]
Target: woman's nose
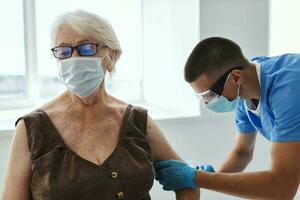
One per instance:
[(75, 53)]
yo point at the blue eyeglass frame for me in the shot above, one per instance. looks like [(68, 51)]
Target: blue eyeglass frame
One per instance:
[(78, 48)]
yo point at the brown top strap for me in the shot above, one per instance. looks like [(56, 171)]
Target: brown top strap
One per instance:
[(39, 133)]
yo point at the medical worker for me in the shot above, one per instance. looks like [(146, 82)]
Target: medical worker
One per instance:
[(265, 95)]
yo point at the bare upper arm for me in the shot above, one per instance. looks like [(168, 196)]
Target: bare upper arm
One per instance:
[(161, 149), (18, 173)]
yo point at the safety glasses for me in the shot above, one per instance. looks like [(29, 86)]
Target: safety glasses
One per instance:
[(207, 96), (86, 49), (217, 88)]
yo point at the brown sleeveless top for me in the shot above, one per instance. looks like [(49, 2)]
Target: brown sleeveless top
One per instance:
[(59, 173)]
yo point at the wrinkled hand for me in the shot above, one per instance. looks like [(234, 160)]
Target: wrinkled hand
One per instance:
[(175, 175)]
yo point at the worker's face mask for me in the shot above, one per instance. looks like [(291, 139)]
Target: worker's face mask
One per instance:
[(81, 75), (213, 98), (221, 104)]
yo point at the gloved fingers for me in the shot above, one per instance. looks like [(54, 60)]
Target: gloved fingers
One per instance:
[(168, 188), (160, 164), (160, 176), (167, 173)]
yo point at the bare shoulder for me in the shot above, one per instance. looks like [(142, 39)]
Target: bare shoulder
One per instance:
[(119, 105), (54, 105), (20, 146), (20, 126), (152, 127), (20, 136)]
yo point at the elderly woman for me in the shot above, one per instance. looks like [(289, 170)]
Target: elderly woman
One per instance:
[(86, 144)]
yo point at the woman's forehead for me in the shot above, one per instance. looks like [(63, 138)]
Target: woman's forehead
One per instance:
[(67, 36), (71, 43)]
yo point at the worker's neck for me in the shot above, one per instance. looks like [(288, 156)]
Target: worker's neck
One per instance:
[(250, 88)]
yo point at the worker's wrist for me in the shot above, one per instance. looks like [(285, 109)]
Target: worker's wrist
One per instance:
[(197, 178), (201, 172)]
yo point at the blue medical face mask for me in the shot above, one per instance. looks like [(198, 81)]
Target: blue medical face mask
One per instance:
[(81, 75), (221, 104)]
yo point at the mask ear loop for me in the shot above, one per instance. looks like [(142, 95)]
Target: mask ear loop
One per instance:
[(238, 89), (105, 72), (238, 92), (225, 82), (107, 52), (104, 56)]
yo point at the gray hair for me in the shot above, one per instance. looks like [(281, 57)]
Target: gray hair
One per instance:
[(90, 25)]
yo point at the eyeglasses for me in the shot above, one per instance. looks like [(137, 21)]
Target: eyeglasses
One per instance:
[(207, 96), (87, 49), (218, 87)]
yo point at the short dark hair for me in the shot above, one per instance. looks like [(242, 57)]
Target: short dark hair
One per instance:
[(212, 54)]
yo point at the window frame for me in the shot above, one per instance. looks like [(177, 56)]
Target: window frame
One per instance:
[(30, 62)]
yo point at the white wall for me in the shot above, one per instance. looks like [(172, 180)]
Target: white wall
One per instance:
[(284, 17), (244, 21)]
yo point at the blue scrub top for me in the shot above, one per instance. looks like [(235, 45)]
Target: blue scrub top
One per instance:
[(279, 118)]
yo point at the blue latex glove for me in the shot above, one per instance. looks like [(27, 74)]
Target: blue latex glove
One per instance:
[(174, 174), (207, 168)]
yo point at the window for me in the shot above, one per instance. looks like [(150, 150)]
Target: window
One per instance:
[(284, 29), (12, 68), (156, 38)]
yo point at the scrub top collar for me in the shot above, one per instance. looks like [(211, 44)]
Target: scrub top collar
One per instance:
[(257, 110)]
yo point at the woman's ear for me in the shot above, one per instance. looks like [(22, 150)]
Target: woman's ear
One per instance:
[(110, 60)]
